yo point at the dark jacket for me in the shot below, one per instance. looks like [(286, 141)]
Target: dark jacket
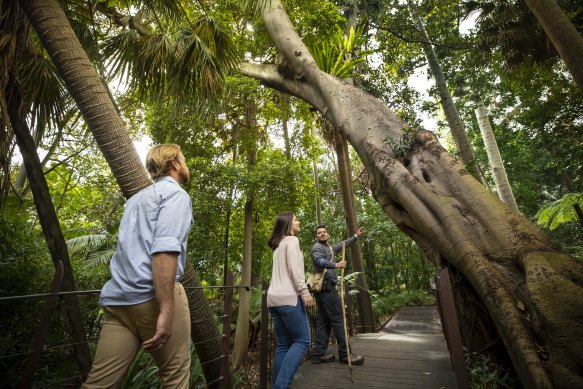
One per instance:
[(323, 257)]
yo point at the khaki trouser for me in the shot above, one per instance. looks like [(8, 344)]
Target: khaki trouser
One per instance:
[(126, 327)]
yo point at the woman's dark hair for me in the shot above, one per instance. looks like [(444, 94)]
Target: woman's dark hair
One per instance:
[(281, 228)]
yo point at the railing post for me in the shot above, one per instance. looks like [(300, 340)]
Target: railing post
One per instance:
[(451, 327), (264, 329), (226, 343), (43, 328)]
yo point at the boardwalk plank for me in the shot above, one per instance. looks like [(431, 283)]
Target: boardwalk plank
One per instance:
[(409, 352)]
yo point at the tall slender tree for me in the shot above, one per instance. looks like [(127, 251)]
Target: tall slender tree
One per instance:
[(498, 171), (240, 347), (456, 126)]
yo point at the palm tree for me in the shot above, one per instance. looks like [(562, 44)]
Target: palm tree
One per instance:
[(512, 26), (82, 81), (50, 226)]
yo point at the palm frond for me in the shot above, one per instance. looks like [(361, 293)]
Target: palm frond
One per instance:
[(338, 57), (167, 8), (88, 244), (44, 89), (254, 7), (185, 63)]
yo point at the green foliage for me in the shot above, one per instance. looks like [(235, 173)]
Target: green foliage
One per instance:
[(26, 268), (403, 147), (337, 56), (483, 374), (560, 211), (255, 306), (143, 372), (316, 20), (387, 303), (96, 249)]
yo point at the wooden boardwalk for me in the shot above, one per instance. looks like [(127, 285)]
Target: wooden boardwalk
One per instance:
[(410, 352)]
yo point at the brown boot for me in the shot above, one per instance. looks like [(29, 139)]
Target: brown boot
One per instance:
[(323, 359), (354, 360)]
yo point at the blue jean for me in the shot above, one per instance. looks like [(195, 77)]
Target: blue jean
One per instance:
[(292, 332)]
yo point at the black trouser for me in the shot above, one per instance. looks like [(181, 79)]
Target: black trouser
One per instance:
[(329, 317)]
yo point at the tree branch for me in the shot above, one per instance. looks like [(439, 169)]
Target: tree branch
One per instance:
[(269, 75)]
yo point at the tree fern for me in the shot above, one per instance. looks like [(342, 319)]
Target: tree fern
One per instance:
[(560, 211), (96, 248)]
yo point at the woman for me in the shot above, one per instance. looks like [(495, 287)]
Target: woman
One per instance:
[(287, 299)]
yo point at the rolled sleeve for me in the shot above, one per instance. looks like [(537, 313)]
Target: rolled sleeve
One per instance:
[(165, 244), (173, 225)]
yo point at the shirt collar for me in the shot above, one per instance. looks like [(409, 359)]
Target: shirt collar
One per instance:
[(167, 178)]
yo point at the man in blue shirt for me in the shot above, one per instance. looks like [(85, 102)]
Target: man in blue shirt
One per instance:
[(143, 304), (328, 301)]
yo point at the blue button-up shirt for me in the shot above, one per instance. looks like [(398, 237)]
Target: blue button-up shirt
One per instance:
[(156, 219)]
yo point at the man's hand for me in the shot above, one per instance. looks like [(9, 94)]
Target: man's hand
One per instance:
[(163, 333), (341, 264), (360, 231), (308, 300)]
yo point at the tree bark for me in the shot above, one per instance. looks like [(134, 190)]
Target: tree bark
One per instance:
[(563, 34), (241, 345), (345, 178), (532, 290), (204, 332), (284, 102), (48, 220), (498, 171)]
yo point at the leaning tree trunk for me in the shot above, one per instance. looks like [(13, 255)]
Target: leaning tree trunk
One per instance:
[(205, 333), (532, 290), (562, 32), (48, 220), (93, 100), (86, 88), (498, 171)]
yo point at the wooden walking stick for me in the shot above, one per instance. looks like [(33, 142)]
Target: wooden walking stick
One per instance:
[(344, 313)]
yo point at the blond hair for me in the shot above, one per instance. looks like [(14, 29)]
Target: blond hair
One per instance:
[(159, 159)]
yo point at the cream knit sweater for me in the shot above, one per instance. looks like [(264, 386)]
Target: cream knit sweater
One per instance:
[(288, 280)]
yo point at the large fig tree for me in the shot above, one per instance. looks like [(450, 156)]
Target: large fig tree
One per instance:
[(530, 288)]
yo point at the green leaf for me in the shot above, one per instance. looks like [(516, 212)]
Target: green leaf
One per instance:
[(560, 212)]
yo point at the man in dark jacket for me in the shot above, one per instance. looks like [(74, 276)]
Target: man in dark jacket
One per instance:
[(328, 301)]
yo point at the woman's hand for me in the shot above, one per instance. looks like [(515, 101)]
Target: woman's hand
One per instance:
[(308, 300)]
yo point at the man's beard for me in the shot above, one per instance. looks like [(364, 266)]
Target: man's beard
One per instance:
[(184, 176)]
